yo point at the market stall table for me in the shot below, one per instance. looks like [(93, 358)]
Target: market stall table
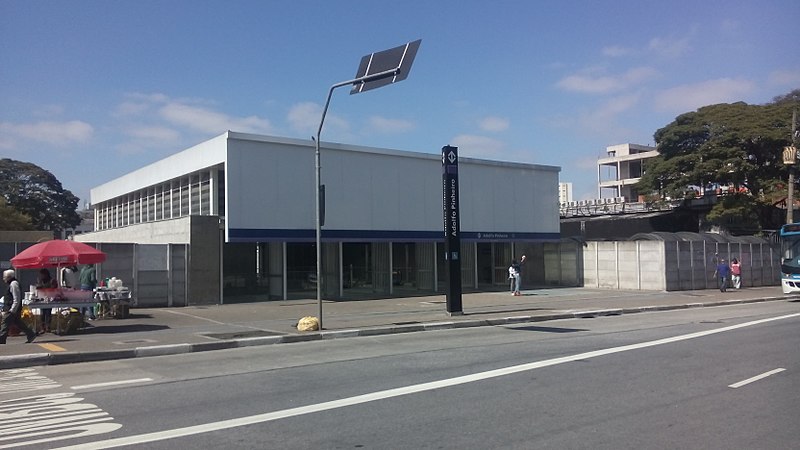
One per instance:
[(59, 299), (114, 302)]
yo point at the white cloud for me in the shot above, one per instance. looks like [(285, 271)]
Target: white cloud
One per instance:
[(690, 97), (602, 121), (785, 78), (155, 133), (208, 121), (474, 146), (606, 84), (384, 125), (479, 146), (304, 118), (50, 132), (131, 108), (156, 97), (616, 51), (587, 84), (639, 75), (617, 105), (494, 124), (189, 114), (669, 47)]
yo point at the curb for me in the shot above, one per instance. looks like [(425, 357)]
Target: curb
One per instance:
[(44, 359)]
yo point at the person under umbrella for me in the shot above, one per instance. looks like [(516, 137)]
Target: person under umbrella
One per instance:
[(47, 282)]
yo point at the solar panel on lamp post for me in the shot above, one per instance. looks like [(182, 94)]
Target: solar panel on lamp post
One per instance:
[(375, 70)]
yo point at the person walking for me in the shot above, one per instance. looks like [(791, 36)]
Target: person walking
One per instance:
[(722, 273), (12, 308), (515, 271), (736, 273)]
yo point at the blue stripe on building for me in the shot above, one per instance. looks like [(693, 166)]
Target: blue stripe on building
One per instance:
[(308, 235)]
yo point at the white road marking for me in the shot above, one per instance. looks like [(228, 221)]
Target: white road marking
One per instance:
[(397, 392), (195, 317), (111, 383), (756, 378), (26, 379), (50, 417)]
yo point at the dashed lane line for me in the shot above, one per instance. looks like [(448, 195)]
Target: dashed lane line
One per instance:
[(756, 378), (111, 383)]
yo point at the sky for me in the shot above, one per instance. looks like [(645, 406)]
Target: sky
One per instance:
[(91, 90)]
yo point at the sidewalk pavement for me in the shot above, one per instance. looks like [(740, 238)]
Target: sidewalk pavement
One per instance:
[(168, 331)]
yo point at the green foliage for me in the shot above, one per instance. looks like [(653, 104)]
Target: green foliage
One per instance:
[(13, 220), (738, 213), (732, 144), (737, 144), (36, 193)]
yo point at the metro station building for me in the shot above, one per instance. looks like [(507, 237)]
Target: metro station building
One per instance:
[(244, 206)]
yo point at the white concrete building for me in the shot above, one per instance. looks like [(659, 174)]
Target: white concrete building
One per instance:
[(618, 173), (245, 205), (564, 192)]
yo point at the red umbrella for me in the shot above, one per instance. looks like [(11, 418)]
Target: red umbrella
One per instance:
[(57, 253)]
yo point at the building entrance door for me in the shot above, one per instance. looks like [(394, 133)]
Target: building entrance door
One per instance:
[(484, 264)]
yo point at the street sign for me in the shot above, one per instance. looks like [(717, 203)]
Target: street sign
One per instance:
[(399, 59)]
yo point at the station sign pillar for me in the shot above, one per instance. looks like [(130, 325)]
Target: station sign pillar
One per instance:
[(452, 229)]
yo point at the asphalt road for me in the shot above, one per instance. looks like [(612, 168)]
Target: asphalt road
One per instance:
[(680, 379)]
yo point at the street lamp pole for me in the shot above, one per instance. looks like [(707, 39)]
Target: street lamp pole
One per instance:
[(789, 159), (317, 166), (375, 70)]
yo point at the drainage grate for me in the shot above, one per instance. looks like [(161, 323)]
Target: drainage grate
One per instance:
[(242, 334)]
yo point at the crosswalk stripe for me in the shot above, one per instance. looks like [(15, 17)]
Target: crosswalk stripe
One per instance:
[(46, 418)]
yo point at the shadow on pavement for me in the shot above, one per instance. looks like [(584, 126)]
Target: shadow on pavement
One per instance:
[(476, 311), (113, 329), (548, 329)]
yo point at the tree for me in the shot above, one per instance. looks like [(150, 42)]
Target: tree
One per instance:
[(13, 220), (36, 193), (791, 97), (735, 144)]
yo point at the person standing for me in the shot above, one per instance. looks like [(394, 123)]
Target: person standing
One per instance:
[(511, 279), (516, 271), (88, 279), (70, 277), (736, 273), (722, 273), (12, 308), (47, 282)]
